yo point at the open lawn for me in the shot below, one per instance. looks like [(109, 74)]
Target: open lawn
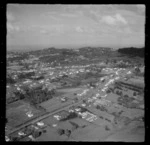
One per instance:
[(15, 104), (54, 104), (90, 133), (80, 122), (70, 90), (127, 136), (51, 135), (17, 114)]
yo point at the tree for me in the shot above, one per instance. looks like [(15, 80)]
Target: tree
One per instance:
[(10, 80), (15, 139), (44, 131), (120, 93), (98, 107), (68, 132), (84, 101), (61, 131), (70, 116), (75, 126), (19, 95), (28, 130), (108, 91), (137, 70), (126, 96), (36, 134), (134, 94), (117, 92), (107, 128)]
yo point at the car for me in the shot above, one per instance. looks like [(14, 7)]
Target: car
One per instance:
[(71, 110), (29, 114), (79, 113), (21, 133), (63, 99), (83, 105), (78, 109), (57, 117), (35, 127), (40, 123), (54, 125)]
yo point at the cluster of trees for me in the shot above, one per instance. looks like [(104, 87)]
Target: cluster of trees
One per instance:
[(121, 121), (38, 78), (28, 131), (109, 91), (125, 100), (10, 80), (119, 92), (102, 108), (138, 72), (15, 97), (17, 58), (38, 95), (132, 51), (34, 96), (72, 115), (68, 52), (26, 75), (66, 132)]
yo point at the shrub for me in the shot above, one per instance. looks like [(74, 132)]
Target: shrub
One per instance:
[(61, 131)]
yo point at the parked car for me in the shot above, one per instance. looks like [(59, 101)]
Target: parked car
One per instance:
[(21, 133)]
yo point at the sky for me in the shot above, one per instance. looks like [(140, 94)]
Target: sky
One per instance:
[(74, 26)]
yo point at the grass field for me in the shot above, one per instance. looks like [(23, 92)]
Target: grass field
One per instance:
[(54, 104), (69, 90), (16, 113)]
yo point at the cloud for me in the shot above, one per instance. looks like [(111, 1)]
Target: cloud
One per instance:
[(12, 28), (109, 20), (79, 29), (120, 19), (50, 15), (141, 7), (10, 17), (91, 15), (69, 15), (44, 31), (50, 29), (113, 20)]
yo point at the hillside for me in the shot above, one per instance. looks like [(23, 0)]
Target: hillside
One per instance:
[(133, 52)]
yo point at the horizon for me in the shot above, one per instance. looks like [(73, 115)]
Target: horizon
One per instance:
[(36, 49), (74, 26)]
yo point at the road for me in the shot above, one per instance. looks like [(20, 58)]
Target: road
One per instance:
[(43, 117), (46, 115)]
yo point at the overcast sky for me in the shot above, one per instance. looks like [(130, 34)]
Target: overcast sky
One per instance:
[(75, 25)]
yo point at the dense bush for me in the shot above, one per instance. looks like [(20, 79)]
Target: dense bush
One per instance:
[(72, 115), (61, 131), (37, 95), (132, 51), (10, 80)]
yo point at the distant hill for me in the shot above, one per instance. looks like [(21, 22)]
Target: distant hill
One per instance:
[(133, 52)]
